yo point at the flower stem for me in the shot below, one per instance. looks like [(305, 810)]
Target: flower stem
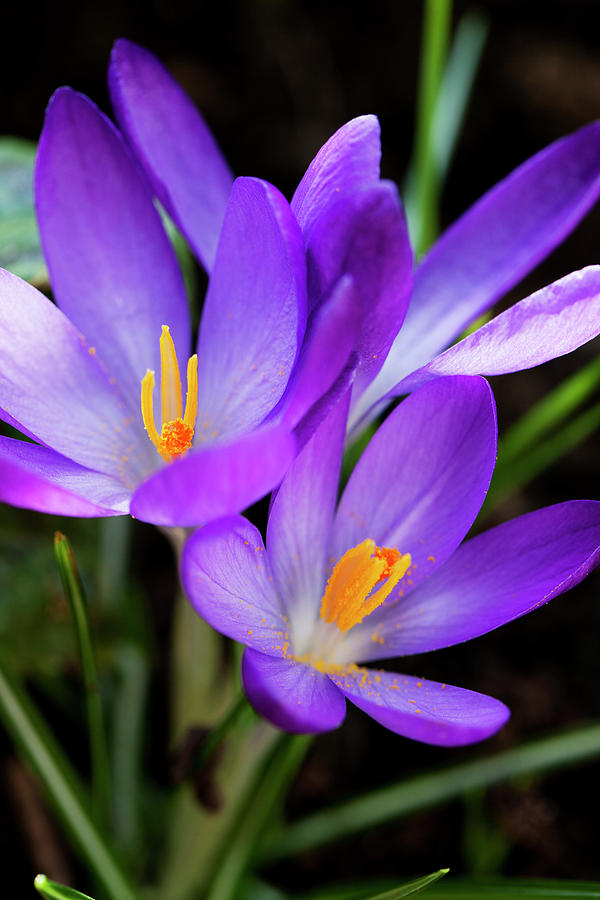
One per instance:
[(260, 804), (216, 735)]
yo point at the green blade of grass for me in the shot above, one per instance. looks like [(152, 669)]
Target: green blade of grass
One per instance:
[(54, 891), (455, 90), (39, 748), (423, 791), (514, 889), (412, 887), (423, 184), (549, 413), (509, 477), (73, 588)]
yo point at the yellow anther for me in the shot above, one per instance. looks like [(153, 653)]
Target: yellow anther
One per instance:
[(191, 399), (176, 433), (170, 380), (349, 596)]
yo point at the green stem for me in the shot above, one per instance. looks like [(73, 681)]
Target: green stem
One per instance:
[(39, 747), (216, 735), (262, 799), (73, 589), (427, 180), (429, 790)]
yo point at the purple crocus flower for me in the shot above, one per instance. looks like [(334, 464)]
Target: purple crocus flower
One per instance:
[(352, 224), (77, 377), (383, 572)]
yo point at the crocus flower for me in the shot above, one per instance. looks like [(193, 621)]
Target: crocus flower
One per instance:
[(352, 223), (78, 378), (383, 573)]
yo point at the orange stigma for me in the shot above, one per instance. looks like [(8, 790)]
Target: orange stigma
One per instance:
[(349, 596), (176, 432)]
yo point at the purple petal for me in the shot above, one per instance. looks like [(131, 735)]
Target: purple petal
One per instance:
[(549, 323), (219, 481), (331, 336), (111, 265), (422, 479), (348, 162), (300, 521), (52, 384), (291, 695), (255, 311), (497, 576), (226, 575), (176, 148), (423, 710), (492, 246), (365, 235), (321, 409), (37, 478)]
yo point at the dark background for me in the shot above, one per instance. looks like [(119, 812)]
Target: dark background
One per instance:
[(274, 79)]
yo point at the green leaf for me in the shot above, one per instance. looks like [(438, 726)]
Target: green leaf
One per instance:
[(397, 800), (457, 83), (40, 749), (423, 182), (54, 891), (514, 889), (412, 887), (73, 588), (20, 250), (544, 434)]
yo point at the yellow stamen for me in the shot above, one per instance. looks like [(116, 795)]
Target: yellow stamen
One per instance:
[(176, 433), (170, 380), (348, 597), (191, 398)]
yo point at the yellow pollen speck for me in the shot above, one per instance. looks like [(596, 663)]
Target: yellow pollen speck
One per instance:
[(92, 351), (177, 428), (349, 595)]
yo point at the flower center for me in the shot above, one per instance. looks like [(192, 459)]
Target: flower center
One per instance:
[(176, 432), (349, 595)]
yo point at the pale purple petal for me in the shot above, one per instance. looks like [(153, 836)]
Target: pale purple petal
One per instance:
[(49, 483), (43, 464), (491, 247), (423, 710), (495, 577), (291, 695), (254, 314), (549, 323), (219, 481), (423, 477), (331, 336), (112, 268), (300, 521), (347, 162), (176, 148), (56, 387), (365, 235), (226, 575)]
